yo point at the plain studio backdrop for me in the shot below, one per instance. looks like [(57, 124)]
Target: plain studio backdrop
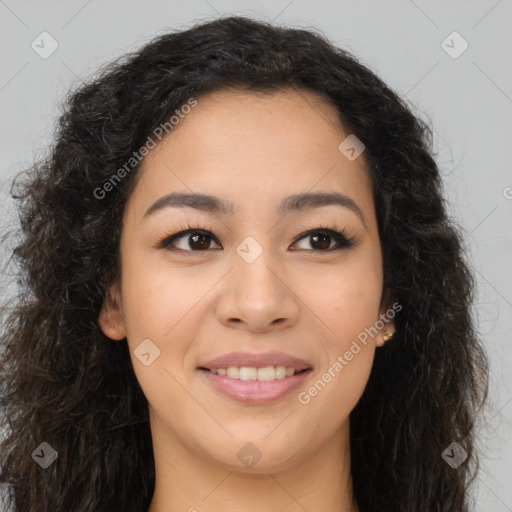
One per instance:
[(450, 59)]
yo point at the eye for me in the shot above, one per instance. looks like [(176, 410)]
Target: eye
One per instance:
[(326, 240), (194, 240)]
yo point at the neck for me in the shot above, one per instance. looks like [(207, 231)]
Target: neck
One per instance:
[(189, 482)]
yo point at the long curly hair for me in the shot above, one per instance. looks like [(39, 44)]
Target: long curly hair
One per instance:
[(65, 383)]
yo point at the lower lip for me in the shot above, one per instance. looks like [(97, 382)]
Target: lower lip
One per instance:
[(254, 391)]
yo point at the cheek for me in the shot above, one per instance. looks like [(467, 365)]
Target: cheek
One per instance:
[(346, 297), (329, 399), (158, 305), (347, 301), (348, 350), (158, 297)]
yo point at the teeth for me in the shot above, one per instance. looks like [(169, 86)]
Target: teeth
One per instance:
[(233, 372), (270, 373), (266, 373)]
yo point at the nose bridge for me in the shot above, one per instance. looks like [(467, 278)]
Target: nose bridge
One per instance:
[(256, 265), (255, 292)]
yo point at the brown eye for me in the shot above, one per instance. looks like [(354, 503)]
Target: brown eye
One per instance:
[(190, 240), (199, 241), (321, 240)]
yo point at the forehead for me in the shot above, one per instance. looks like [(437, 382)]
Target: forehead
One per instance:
[(249, 146), (286, 117)]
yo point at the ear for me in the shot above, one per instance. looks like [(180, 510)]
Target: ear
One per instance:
[(386, 316), (110, 318)]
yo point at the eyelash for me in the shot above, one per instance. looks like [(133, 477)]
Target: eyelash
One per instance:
[(343, 241)]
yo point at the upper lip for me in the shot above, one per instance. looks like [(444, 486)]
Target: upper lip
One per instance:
[(253, 360)]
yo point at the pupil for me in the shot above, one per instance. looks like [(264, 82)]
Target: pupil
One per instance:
[(325, 239), (197, 237)]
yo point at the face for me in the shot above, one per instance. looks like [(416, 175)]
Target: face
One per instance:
[(278, 282)]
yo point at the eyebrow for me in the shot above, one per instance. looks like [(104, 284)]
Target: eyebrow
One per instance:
[(216, 205)]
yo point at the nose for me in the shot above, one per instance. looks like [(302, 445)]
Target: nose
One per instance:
[(256, 297)]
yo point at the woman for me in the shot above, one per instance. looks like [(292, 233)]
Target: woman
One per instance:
[(240, 291)]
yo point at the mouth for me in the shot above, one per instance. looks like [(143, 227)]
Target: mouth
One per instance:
[(255, 378)]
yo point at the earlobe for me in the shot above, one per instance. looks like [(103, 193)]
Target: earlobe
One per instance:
[(385, 334), (387, 324), (110, 319)]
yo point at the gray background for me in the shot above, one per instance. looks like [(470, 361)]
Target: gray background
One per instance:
[(468, 99)]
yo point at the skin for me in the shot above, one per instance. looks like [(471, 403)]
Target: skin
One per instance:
[(253, 149)]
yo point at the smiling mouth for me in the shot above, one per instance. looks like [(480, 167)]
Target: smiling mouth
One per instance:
[(255, 378), (255, 386)]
